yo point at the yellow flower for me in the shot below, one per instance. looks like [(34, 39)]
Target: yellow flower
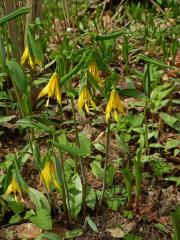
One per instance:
[(115, 105), (14, 188), (26, 55), (85, 100), (93, 70), (48, 175), (52, 89)]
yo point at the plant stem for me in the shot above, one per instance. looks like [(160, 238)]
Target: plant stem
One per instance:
[(83, 176), (138, 177), (105, 166), (146, 129), (65, 194), (22, 112)]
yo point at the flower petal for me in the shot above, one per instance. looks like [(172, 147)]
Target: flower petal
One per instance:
[(87, 107), (46, 175), (9, 190), (38, 62), (51, 85), (31, 62), (81, 101), (57, 91), (16, 187), (43, 92), (24, 56), (116, 117), (93, 103)]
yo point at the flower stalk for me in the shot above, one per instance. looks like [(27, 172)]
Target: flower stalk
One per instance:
[(65, 194), (83, 176), (105, 166)]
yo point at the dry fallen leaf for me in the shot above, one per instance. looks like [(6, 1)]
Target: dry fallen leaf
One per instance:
[(116, 232), (121, 232), (28, 231)]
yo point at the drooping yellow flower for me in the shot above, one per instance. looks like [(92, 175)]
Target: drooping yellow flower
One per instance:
[(93, 70), (14, 188), (52, 89), (48, 175), (26, 55), (85, 100), (115, 105)]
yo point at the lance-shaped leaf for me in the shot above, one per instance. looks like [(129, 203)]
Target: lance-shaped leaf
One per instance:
[(35, 50), (2, 54), (70, 149), (17, 13), (17, 74)]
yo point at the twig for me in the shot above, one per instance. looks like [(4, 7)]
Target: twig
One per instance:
[(104, 7), (157, 6), (119, 10)]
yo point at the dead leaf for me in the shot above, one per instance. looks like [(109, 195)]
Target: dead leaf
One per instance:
[(121, 232), (116, 232), (28, 231)]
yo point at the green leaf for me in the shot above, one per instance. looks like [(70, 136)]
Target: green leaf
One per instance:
[(34, 48), (32, 123), (73, 233), (156, 145), (176, 152), (16, 207), (97, 170), (17, 74), (109, 36), (172, 143), (75, 70), (24, 155), (62, 138), (70, 149), (29, 214), (17, 13), (110, 173), (39, 199), (91, 198), (85, 144), (174, 179), (2, 54), (42, 219), (147, 80), (100, 147), (136, 120), (15, 219), (161, 227), (92, 224), (36, 155), (49, 236), (171, 121), (176, 222), (132, 93), (5, 119), (58, 169), (122, 144), (153, 61), (75, 195), (113, 203), (161, 91)]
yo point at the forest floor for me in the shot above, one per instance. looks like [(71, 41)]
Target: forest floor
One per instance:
[(160, 192)]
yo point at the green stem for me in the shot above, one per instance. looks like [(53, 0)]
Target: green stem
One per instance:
[(146, 129), (21, 111), (83, 176), (138, 177), (65, 194), (105, 166)]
